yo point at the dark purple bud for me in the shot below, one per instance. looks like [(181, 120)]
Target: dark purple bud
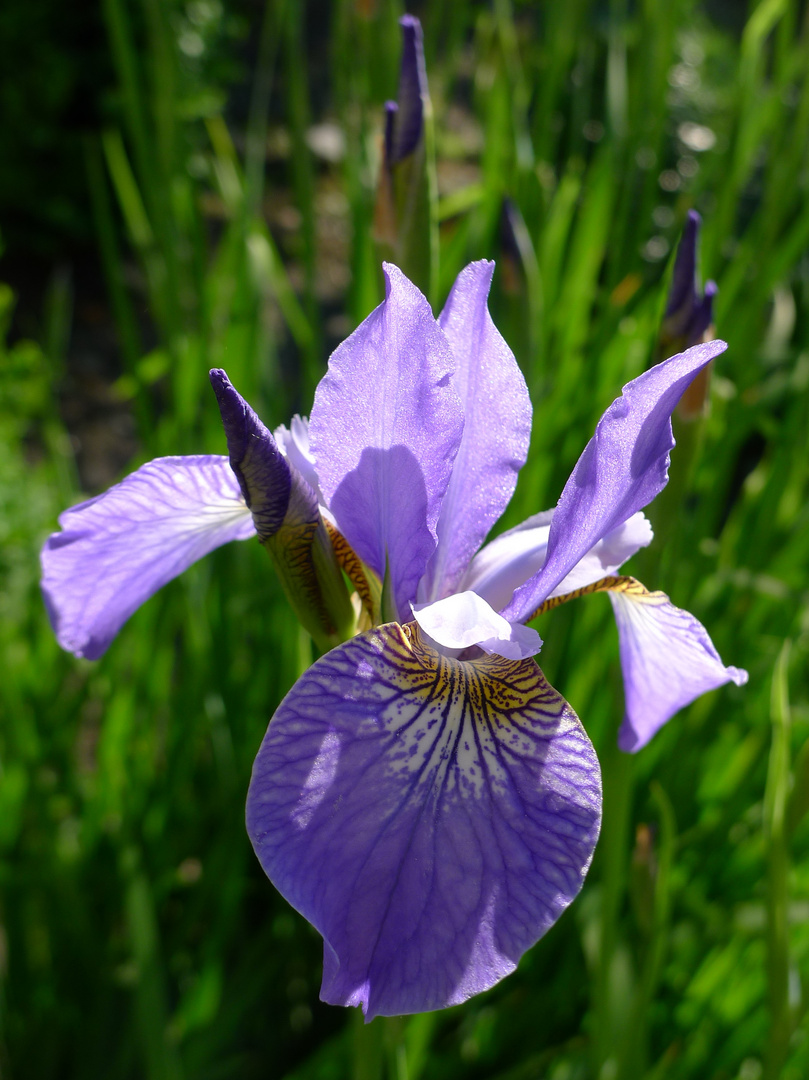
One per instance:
[(261, 469), (703, 314), (511, 222), (683, 283), (404, 119), (688, 314)]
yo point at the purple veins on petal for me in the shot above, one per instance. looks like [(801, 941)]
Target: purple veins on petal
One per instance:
[(668, 661), (118, 549), (623, 467), (430, 817), (497, 430), (385, 428)]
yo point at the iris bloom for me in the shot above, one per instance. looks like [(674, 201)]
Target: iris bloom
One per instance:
[(423, 796)]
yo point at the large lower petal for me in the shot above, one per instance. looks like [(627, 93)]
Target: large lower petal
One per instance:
[(497, 430), (431, 818), (668, 661), (385, 428), (623, 467), (118, 549)]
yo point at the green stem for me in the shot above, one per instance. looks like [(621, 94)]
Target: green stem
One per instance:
[(618, 769), (775, 832)]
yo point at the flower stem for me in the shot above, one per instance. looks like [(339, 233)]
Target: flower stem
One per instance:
[(617, 769), (775, 805)]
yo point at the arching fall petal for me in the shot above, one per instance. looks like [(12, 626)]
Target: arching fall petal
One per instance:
[(117, 550), (430, 817), (667, 658), (668, 661)]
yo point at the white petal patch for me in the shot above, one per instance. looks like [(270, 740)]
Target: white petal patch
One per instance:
[(465, 619), (293, 442)]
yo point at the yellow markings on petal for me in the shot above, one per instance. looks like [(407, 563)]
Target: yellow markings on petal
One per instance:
[(456, 726), (305, 562), (364, 580), (490, 687), (629, 586)]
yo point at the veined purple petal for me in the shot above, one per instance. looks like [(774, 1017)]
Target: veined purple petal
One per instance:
[(509, 560), (667, 658), (385, 429), (119, 548), (465, 619), (431, 818), (623, 467), (497, 430)]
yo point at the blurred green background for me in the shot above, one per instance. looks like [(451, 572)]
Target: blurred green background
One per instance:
[(187, 185)]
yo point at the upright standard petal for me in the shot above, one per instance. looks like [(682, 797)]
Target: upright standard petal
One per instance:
[(668, 661), (385, 428), (497, 430), (430, 817), (118, 549), (622, 468)]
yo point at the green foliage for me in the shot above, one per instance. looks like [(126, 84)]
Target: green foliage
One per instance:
[(138, 936)]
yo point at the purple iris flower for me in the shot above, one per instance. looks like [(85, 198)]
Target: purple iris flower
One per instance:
[(423, 796)]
